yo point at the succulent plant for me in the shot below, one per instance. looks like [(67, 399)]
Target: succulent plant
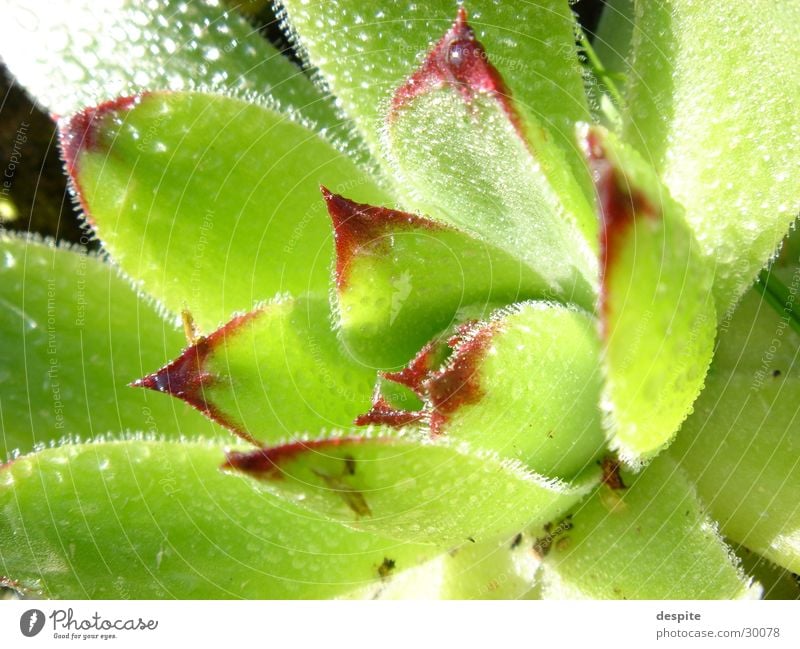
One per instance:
[(490, 313)]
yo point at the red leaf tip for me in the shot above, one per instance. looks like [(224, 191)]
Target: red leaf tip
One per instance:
[(186, 377), (357, 224), (414, 374), (620, 203), (458, 384), (79, 132), (444, 390), (458, 60), (266, 462), (381, 413)]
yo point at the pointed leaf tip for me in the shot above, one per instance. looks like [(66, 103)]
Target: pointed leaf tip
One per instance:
[(275, 372), (357, 224), (657, 316), (620, 202), (457, 60), (444, 387), (152, 186), (414, 374), (458, 383), (524, 384), (265, 463), (453, 108), (382, 413), (183, 378), (79, 132), (384, 483), (273, 549), (186, 377)]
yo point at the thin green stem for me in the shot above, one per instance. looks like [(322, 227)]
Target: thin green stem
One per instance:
[(599, 69), (779, 297)]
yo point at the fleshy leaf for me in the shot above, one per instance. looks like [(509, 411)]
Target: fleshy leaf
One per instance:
[(709, 111), (365, 50), (498, 569), (657, 308), (525, 384), (409, 488), (650, 540), (468, 157), (778, 583), (80, 53), (152, 520), (209, 201), (402, 279), (270, 374), (74, 334), (612, 42), (741, 445)]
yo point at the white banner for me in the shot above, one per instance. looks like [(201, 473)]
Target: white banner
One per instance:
[(333, 625)]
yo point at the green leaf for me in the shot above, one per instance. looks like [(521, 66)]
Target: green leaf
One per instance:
[(270, 374), (152, 520), (708, 108), (81, 53), (657, 308), (612, 41), (211, 202), (606, 58), (651, 540), (497, 569), (778, 583), (525, 384), (741, 445), (401, 279), (467, 157), (364, 51), (409, 488), (74, 334)]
